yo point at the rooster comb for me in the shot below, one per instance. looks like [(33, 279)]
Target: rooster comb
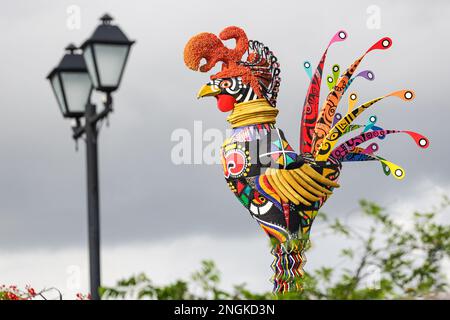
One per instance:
[(260, 68)]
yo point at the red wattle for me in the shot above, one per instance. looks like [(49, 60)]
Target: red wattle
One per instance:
[(225, 102)]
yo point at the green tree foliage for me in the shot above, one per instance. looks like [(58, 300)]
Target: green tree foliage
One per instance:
[(406, 254)]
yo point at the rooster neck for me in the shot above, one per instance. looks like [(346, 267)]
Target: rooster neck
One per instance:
[(255, 112)]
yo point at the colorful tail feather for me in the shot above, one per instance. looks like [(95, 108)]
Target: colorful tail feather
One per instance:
[(311, 104), (320, 131), (326, 114)]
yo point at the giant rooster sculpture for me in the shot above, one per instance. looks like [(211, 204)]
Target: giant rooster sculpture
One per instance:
[(281, 189)]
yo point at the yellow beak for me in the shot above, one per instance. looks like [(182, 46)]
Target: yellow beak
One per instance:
[(208, 90)]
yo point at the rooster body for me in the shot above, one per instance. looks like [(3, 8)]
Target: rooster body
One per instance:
[(246, 157)]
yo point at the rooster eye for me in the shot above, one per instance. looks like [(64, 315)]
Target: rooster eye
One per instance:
[(225, 84)]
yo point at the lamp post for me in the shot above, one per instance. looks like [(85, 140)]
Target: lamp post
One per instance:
[(99, 65)]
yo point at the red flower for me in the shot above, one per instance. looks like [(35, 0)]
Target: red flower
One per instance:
[(12, 296), (31, 292), (81, 296)]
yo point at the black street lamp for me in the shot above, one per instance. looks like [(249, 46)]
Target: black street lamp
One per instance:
[(100, 65), (106, 53), (71, 84)]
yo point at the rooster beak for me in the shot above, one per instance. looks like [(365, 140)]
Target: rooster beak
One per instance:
[(208, 90)]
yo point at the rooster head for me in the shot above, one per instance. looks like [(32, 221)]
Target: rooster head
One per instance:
[(241, 79)]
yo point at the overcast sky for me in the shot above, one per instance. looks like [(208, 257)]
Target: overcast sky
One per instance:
[(153, 211)]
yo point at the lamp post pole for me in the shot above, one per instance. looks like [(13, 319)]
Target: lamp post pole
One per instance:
[(90, 132), (99, 66), (93, 200)]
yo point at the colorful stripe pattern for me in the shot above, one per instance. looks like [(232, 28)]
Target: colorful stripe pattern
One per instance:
[(311, 104), (287, 267)]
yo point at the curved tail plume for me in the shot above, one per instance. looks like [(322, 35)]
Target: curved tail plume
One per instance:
[(337, 117), (366, 74), (336, 69), (326, 114), (371, 126), (331, 80), (370, 123), (349, 145), (338, 130), (370, 150), (352, 100), (311, 104), (360, 154), (307, 67)]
